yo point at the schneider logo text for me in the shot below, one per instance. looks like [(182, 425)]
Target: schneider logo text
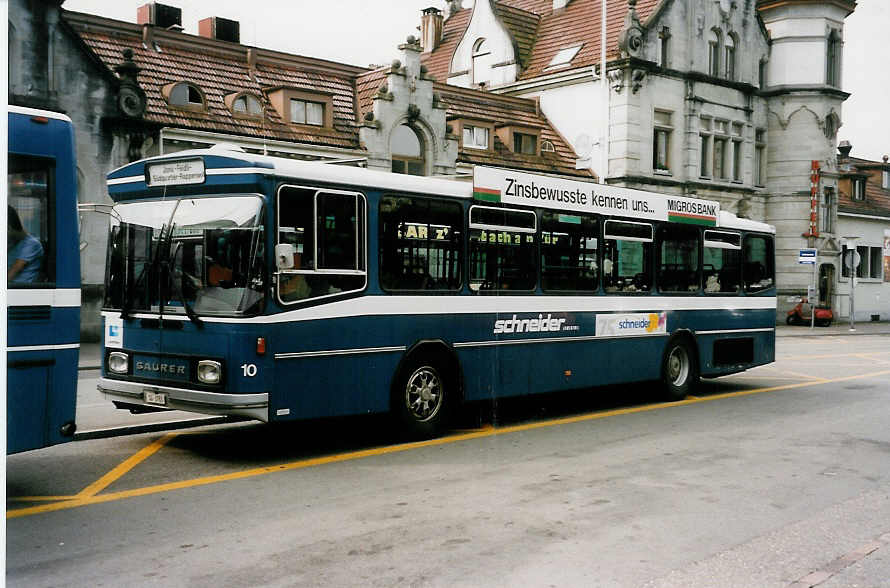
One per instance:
[(541, 324)]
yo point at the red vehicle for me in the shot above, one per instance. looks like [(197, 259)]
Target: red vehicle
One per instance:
[(802, 314)]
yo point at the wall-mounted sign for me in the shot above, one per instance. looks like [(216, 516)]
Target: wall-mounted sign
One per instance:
[(175, 173), (512, 187), (807, 256)]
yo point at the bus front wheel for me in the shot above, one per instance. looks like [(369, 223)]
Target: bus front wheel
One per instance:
[(679, 371), (421, 397)]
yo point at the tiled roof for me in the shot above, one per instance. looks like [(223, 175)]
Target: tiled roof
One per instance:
[(501, 110), (877, 199), (366, 86), (523, 26), (438, 62), (578, 23), (220, 69)]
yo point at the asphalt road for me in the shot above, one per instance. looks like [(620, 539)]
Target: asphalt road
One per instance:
[(776, 477)]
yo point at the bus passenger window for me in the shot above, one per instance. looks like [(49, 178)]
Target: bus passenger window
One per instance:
[(421, 244), (678, 259), (503, 247), (721, 262), (29, 246), (569, 252), (627, 253), (327, 231), (758, 271)]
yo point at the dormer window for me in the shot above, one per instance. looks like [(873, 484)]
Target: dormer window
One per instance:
[(300, 107), (306, 112), (475, 136), (184, 95), (525, 143), (547, 147), (563, 57), (859, 189), (246, 105)]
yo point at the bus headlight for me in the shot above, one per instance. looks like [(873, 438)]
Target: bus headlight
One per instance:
[(118, 362), (209, 372)]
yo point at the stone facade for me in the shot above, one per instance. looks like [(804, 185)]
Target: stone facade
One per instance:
[(744, 91), (409, 99)]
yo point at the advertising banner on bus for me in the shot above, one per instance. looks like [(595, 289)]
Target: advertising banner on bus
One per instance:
[(513, 187)]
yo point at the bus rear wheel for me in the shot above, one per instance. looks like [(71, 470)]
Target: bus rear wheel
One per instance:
[(679, 370), (421, 398)]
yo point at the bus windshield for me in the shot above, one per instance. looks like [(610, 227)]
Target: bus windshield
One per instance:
[(193, 256)]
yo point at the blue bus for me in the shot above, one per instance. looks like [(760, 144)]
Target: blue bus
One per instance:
[(274, 289), (42, 279)]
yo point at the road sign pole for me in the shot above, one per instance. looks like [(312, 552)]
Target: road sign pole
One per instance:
[(812, 304)]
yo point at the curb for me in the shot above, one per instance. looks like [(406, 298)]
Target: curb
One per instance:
[(153, 427)]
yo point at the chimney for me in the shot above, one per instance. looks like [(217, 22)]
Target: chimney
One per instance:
[(159, 15), (221, 29), (431, 28), (559, 4), (844, 147)]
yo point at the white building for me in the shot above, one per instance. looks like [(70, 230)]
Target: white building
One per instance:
[(726, 100)]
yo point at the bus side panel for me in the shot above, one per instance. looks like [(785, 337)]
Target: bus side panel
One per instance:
[(317, 387), (514, 370), (737, 349), (39, 401)]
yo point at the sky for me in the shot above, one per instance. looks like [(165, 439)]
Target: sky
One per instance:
[(365, 32)]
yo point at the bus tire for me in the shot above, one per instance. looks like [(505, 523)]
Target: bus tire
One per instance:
[(679, 369), (422, 397)]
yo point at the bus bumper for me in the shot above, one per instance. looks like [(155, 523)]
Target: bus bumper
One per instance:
[(254, 406)]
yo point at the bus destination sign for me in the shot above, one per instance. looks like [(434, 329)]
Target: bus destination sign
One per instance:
[(513, 187), (175, 173)]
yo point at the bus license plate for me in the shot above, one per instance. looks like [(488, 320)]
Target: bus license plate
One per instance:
[(159, 398)]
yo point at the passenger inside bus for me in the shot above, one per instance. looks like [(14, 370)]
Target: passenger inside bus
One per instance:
[(24, 257)]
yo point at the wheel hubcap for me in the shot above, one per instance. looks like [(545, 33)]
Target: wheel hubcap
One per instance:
[(678, 366), (423, 394)]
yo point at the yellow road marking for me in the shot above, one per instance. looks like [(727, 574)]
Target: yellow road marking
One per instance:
[(127, 465), (378, 451)]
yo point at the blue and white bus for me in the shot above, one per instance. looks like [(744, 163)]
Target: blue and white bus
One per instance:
[(274, 289), (42, 279)]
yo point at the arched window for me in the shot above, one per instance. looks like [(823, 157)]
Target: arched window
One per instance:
[(481, 62), (247, 105), (833, 59), (729, 54), (185, 95), (407, 152), (714, 43)]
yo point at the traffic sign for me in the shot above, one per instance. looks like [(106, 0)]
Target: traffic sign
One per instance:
[(852, 261), (807, 256)]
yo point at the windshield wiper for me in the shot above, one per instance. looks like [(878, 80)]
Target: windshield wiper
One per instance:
[(189, 311)]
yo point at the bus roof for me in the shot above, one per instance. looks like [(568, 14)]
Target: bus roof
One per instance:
[(37, 112), (230, 159)]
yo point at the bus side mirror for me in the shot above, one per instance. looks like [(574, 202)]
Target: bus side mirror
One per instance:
[(284, 256)]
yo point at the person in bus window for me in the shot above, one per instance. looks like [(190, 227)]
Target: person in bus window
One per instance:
[(24, 255), (294, 286)]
